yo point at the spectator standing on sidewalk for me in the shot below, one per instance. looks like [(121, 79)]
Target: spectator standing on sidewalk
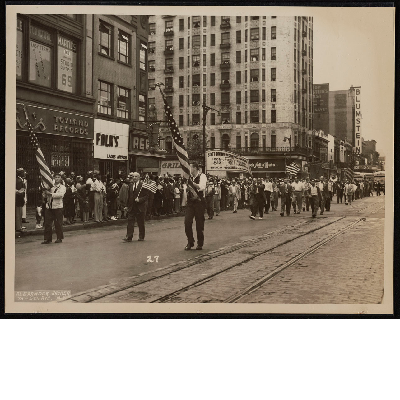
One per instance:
[(209, 196), (69, 202), (177, 198), (234, 194), (184, 194), (89, 183), (217, 197), (123, 197), (97, 189)]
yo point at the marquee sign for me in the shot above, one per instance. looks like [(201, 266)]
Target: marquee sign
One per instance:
[(226, 161)]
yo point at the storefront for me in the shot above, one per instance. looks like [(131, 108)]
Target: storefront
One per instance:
[(171, 167), (268, 167), (110, 145), (65, 138)]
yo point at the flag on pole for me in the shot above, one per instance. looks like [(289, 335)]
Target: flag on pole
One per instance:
[(47, 179), (348, 174), (150, 185), (293, 168)]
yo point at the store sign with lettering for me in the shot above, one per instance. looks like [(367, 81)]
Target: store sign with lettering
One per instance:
[(55, 121), (110, 140), (20, 50), (67, 59), (321, 98), (226, 161), (268, 165), (358, 117), (171, 167)]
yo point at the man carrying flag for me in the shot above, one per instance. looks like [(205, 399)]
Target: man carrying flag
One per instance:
[(196, 185)]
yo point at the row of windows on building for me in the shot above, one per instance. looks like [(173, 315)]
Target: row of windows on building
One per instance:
[(110, 95), (198, 20)]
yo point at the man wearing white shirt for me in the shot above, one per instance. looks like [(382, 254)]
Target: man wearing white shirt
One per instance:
[(195, 207), (97, 188), (298, 193), (54, 211), (268, 188)]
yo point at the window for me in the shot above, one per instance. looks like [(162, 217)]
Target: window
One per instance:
[(169, 82), (238, 36), (180, 120), (273, 95), (196, 80), (273, 53), (263, 54), (152, 29), (204, 79), (254, 119), (106, 39), (212, 119), (225, 77), (254, 96), (204, 40), (238, 20), (245, 56), (204, 21), (225, 37), (225, 118), (273, 116), (245, 76), (238, 97), (181, 43), (181, 100), (238, 77), (225, 58), (169, 44), (181, 24), (295, 75), (204, 98), (264, 33), (273, 74), (254, 75), (169, 26), (212, 21), (124, 41), (245, 96), (213, 139), (104, 102), (238, 57), (196, 21), (196, 99), (188, 42), (273, 17), (254, 54), (123, 103), (225, 98), (212, 79), (169, 64), (212, 99), (254, 18), (196, 61), (245, 121), (295, 54), (142, 107), (273, 140), (143, 56), (212, 39), (263, 95), (225, 19), (263, 121), (204, 60), (246, 36), (263, 74), (195, 119), (212, 61), (152, 47), (20, 46), (254, 34), (273, 32), (152, 84), (152, 65), (196, 41), (238, 117), (246, 18), (181, 63)]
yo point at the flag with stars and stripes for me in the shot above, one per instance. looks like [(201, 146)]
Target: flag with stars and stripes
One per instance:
[(293, 168), (348, 174), (47, 179), (150, 185)]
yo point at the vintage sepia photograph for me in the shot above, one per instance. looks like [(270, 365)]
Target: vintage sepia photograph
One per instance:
[(199, 159)]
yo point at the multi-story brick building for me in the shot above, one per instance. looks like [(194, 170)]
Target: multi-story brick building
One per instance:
[(255, 72)]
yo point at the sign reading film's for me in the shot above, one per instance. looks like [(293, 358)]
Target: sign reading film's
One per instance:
[(358, 116), (321, 98), (226, 161), (66, 64)]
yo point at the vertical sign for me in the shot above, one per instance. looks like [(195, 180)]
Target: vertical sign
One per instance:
[(19, 48), (321, 98), (358, 116), (66, 65)]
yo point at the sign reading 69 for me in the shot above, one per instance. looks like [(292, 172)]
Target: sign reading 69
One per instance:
[(67, 60)]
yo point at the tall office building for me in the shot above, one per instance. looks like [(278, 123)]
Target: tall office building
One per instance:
[(256, 72)]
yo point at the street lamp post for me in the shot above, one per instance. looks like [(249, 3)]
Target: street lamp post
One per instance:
[(206, 109)]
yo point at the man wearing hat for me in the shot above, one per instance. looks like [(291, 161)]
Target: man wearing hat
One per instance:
[(135, 207), (54, 211)]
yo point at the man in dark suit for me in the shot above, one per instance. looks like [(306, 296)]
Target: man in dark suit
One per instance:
[(136, 207), (285, 191)]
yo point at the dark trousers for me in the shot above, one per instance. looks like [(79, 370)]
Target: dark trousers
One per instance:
[(132, 217), (258, 206), (210, 206), (55, 215), (268, 202), (286, 202), (195, 210), (340, 195), (307, 198), (314, 200), (328, 203)]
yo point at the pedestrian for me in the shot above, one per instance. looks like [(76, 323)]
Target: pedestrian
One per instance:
[(123, 197), (112, 196), (54, 211), (339, 191), (69, 202), (209, 198), (19, 199), (268, 192), (184, 194), (315, 195), (136, 207), (306, 194), (177, 198), (24, 220), (275, 195), (234, 194), (285, 192), (217, 197), (298, 189), (348, 193), (97, 188), (89, 183), (195, 207)]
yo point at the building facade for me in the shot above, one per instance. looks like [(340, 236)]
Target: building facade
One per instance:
[(256, 74), (53, 73)]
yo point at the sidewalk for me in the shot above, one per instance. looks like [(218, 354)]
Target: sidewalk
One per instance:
[(31, 229)]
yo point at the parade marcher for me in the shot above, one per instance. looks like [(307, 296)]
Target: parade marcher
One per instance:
[(195, 207), (209, 193), (285, 192), (339, 191), (330, 190), (184, 194), (306, 194), (54, 211), (177, 198), (259, 199), (224, 195), (378, 188), (268, 192), (275, 195), (24, 220), (298, 189), (327, 195), (348, 193), (19, 199), (361, 189), (234, 194), (217, 197), (315, 196), (253, 198), (136, 207)]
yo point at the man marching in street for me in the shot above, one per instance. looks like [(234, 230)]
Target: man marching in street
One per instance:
[(54, 211), (195, 207), (234, 193), (315, 195), (135, 207), (298, 189), (285, 191)]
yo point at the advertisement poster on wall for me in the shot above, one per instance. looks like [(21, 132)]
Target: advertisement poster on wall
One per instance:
[(110, 140)]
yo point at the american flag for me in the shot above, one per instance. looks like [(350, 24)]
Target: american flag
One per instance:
[(178, 144), (292, 168), (47, 179), (348, 174), (150, 185)]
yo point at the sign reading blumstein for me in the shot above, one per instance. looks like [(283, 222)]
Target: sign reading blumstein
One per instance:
[(358, 116)]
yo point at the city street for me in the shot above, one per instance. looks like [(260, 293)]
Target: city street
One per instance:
[(334, 258)]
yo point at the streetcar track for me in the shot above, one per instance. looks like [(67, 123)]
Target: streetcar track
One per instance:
[(201, 281), (206, 257)]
